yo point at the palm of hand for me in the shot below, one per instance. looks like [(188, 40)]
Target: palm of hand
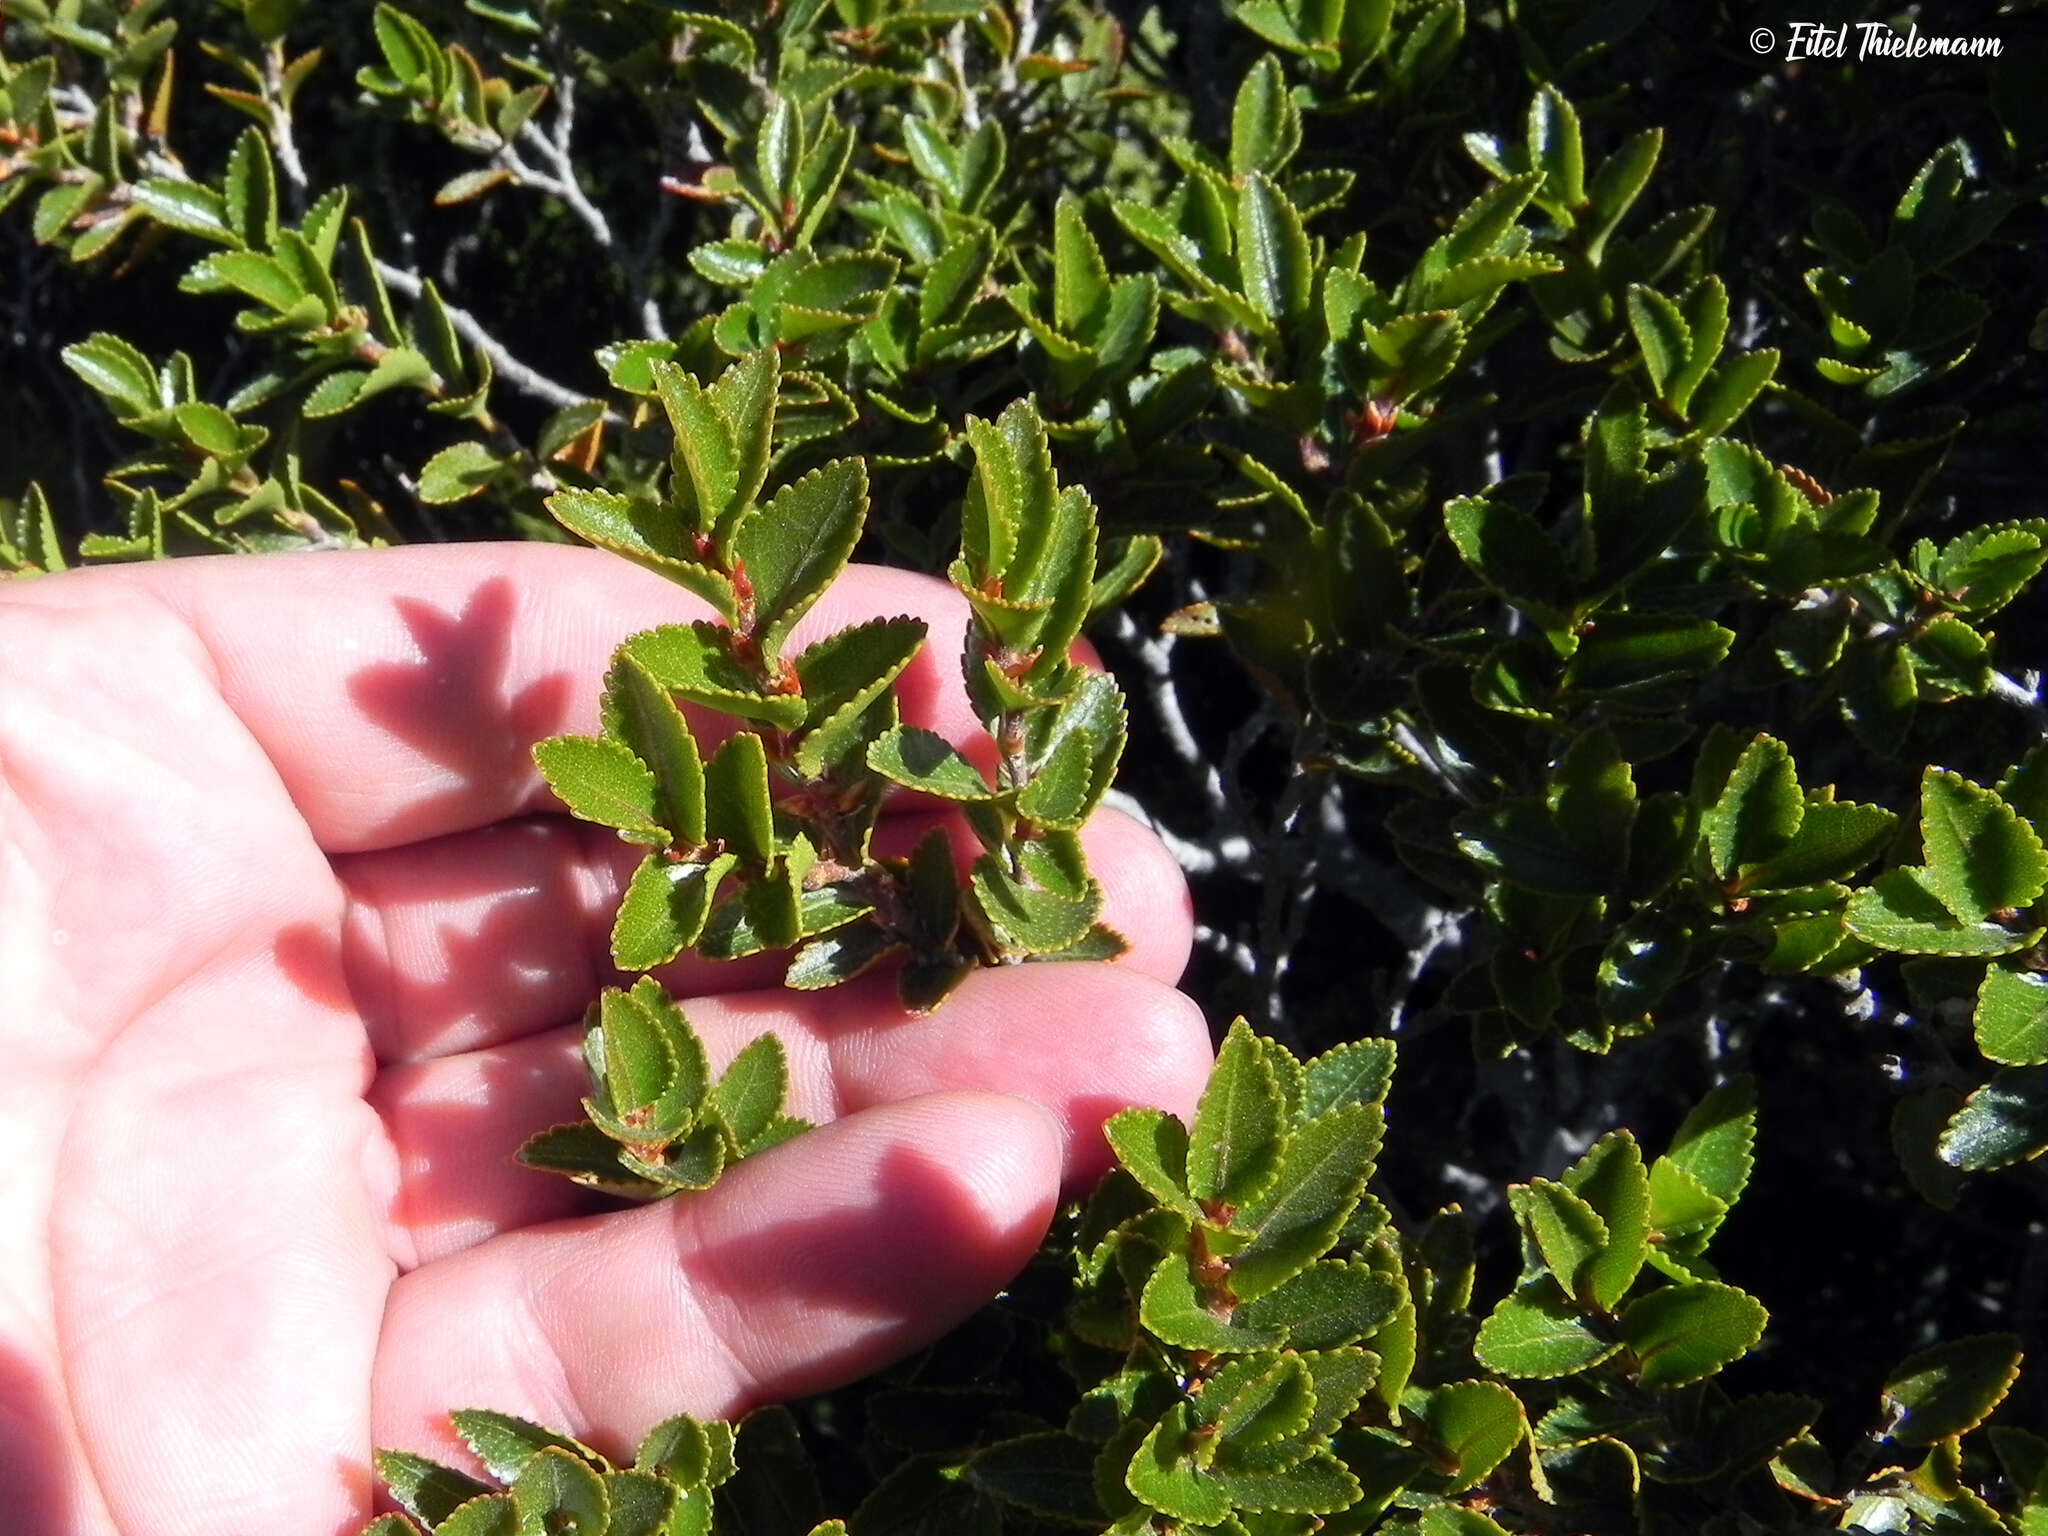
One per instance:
[(288, 970)]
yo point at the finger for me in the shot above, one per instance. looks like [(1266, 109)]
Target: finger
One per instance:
[(485, 936), (807, 1266), (1079, 1041), (447, 662)]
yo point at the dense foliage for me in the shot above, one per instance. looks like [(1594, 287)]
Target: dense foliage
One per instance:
[(1611, 459)]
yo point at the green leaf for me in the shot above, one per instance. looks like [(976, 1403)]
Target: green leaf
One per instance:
[(1013, 483), (490, 1515), (745, 397), (1730, 390), (738, 811), (600, 781), (1521, 841), (690, 1074), (2003, 1122), (796, 546), (456, 473), (1272, 251), (1835, 839), (558, 1491), (580, 1151), (1715, 1144), (1025, 918), (687, 1453), (1983, 569), (1682, 1211), (1685, 1333), (845, 952), (1629, 651), (1555, 149), (1478, 1423), (1317, 1484), (1060, 792), (1307, 1199), (646, 533), (1535, 1333), (1645, 958), (706, 476), (778, 149), (750, 1091), (250, 203), (639, 1062), (505, 1444), (695, 661), (1611, 1179), (840, 677), (1330, 1303), (427, 1490), (664, 910), (1759, 810), (1176, 1311), (925, 761), (1261, 1403), (1153, 1148), (1663, 335), (1047, 1474), (954, 282), (1620, 180), (1981, 858), (642, 715), (186, 206), (640, 1504), (213, 431), (408, 50), (1235, 1143), (1456, 1520), (1568, 1232), (118, 372), (1950, 1389), (1419, 350), (2011, 1017), (1351, 1072), (1124, 568), (1164, 1481), (1265, 125), (1898, 912), (1081, 287), (694, 1161), (1509, 551)]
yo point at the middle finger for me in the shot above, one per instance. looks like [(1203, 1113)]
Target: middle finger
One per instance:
[(1081, 1041)]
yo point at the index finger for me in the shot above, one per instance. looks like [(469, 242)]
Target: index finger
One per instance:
[(399, 692)]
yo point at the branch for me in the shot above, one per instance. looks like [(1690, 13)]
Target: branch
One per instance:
[(527, 381), (281, 139)]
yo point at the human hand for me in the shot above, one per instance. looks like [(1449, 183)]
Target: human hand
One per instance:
[(293, 958)]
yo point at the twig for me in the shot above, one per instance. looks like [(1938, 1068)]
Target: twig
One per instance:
[(281, 138), (2025, 693), (526, 380)]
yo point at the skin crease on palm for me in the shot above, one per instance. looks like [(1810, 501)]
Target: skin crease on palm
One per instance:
[(292, 956)]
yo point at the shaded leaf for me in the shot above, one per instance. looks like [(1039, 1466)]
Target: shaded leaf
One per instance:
[(2003, 1122), (1951, 1388)]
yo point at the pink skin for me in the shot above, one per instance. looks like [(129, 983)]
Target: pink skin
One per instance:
[(291, 954)]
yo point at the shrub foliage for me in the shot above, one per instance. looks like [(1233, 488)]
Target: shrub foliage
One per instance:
[(1616, 580)]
